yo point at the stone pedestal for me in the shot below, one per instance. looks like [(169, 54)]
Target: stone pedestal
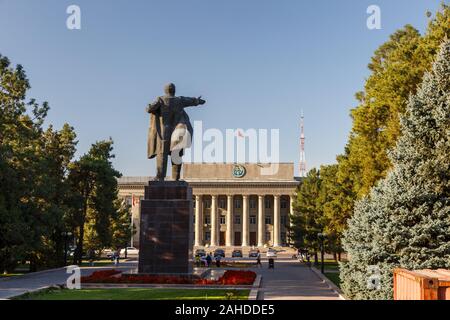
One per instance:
[(166, 228)]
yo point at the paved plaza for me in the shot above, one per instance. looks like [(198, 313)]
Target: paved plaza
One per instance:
[(290, 280)]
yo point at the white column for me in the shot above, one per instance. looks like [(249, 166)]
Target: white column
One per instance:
[(261, 222), (276, 221), (291, 213), (245, 221), (198, 221), (214, 226), (229, 235)]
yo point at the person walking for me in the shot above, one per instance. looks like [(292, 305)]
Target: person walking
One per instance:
[(208, 260), (91, 256), (197, 260), (258, 259), (271, 263), (116, 257), (218, 258)]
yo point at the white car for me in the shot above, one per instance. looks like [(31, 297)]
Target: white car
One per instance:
[(131, 251), (271, 253)]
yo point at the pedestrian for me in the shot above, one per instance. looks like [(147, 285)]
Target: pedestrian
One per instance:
[(116, 257), (271, 263), (258, 259), (218, 258), (197, 260), (208, 260), (91, 256)]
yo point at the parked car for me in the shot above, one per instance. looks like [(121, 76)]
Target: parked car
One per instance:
[(219, 252), (271, 253), (253, 254), (131, 251), (200, 253), (108, 253), (236, 254)]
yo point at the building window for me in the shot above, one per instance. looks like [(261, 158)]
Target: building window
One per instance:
[(283, 237), (268, 220), (208, 204), (267, 236), (237, 219), (207, 219), (222, 204), (283, 204), (252, 219), (207, 236), (237, 203), (222, 220), (268, 204), (252, 203), (283, 220)]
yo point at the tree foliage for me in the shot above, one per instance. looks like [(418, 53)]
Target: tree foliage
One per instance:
[(405, 220), (397, 68), (36, 194)]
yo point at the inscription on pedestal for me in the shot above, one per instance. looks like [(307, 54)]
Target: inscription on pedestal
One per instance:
[(166, 229)]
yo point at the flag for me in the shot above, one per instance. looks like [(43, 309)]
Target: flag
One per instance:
[(135, 201)]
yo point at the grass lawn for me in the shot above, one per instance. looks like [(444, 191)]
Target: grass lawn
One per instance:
[(3, 275), (329, 264), (137, 294), (334, 277), (331, 271), (97, 263)]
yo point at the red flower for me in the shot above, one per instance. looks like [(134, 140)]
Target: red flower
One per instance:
[(230, 277)]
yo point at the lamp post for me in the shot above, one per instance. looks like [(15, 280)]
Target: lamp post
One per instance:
[(66, 236), (322, 237)]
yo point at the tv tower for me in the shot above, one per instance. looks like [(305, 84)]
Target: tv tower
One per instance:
[(302, 148)]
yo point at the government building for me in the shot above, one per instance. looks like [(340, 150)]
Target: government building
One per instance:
[(235, 205)]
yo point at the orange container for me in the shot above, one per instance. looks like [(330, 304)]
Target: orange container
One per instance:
[(421, 284)]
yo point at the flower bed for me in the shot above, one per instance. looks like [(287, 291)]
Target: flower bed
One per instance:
[(230, 277), (100, 276)]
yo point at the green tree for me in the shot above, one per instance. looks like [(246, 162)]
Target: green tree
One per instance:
[(405, 221), (397, 68), (93, 182), (33, 163), (307, 219), (56, 150), (122, 228), (336, 200)]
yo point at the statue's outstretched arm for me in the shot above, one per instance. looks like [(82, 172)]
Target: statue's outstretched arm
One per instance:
[(192, 102)]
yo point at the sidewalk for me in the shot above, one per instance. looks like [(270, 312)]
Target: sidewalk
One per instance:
[(291, 280), (34, 281)]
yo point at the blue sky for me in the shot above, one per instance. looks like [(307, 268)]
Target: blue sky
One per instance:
[(257, 62)]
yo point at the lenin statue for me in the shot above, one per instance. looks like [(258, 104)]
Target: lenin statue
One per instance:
[(170, 131)]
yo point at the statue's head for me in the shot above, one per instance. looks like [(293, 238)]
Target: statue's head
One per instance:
[(169, 89)]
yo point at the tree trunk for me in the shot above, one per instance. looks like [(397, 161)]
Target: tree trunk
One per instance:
[(339, 257), (316, 258), (78, 256), (80, 245), (33, 265), (335, 256)]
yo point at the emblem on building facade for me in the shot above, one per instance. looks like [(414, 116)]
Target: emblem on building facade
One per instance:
[(239, 171)]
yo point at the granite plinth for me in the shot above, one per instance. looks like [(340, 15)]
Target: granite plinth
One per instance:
[(166, 233)]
